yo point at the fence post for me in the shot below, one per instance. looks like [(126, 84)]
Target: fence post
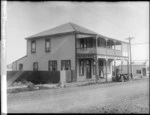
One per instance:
[(62, 78)]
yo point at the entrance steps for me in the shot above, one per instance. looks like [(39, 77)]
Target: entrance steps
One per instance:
[(12, 79)]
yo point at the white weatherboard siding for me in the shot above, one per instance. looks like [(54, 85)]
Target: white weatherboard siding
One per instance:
[(62, 48)]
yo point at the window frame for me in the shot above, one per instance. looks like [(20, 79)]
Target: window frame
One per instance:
[(64, 63), (35, 69), (102, 42), (49, 48), (20, 65), (33, 50), (53, 64), (81, 43)]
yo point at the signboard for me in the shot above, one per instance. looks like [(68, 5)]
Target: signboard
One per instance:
[(119, 58), (85, 56), (84, 36), (101, 56), (110, 57)]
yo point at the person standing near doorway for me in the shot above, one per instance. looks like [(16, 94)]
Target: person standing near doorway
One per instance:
[(101, 73)]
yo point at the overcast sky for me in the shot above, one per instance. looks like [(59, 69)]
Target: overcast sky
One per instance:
[(117, 20)]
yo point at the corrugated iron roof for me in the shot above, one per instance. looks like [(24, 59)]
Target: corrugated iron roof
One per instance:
[(82, 29), (65, 28), (68, 28)]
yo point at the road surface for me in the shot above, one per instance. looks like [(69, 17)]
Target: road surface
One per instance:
[(118, 97)]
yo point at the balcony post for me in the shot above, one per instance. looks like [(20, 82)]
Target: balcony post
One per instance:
[(121, 65), (106, 68), (115, 66), (96, 61), (121, 49), (115, 48), (106, 46)]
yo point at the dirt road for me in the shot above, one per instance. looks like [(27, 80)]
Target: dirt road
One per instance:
[(126, 97)]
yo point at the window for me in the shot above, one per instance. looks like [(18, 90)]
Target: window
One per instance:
[(52, 65), (138, 71), (85, 43), (109, 44), (81, 43), (35, 66), (98, 42), (102, 42), (20, 67), (33, 46), (65, 65), (90, 42), (81, 67), (47, 45)]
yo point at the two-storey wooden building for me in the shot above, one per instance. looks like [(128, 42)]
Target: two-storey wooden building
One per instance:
[(72, 47)]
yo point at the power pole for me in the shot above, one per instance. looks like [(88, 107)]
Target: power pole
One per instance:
[(130, 38)]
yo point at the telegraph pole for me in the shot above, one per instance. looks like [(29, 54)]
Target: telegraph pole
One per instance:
[(130, 38)]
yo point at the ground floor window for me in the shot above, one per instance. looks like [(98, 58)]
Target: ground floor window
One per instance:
[(65, 65), (81, 67), (35, 66), (52, 65), (20, 67)]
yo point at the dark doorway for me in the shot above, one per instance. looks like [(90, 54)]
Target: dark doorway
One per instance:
[(88, 69), (20, 67), (101, 65)]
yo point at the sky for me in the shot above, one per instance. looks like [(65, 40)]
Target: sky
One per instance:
[(117, 20)]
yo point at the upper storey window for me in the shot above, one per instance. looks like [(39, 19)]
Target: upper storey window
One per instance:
[(33, 46), (47, 45)]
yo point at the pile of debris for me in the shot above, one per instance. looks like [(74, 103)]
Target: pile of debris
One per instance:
[(22, 86), (25, 85), (30, 85)]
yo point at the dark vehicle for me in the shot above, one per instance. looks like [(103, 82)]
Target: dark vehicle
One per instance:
[(121, 77)]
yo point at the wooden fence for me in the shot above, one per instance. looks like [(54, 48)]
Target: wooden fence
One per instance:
[(42, 77)]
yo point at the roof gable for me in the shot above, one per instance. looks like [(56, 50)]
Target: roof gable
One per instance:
[(82, 29)]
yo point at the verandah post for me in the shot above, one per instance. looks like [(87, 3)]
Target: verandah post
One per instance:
[(106, 68), (96, 61)]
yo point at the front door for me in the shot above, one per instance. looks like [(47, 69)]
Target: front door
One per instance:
[(88, 69), (101, 65)]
